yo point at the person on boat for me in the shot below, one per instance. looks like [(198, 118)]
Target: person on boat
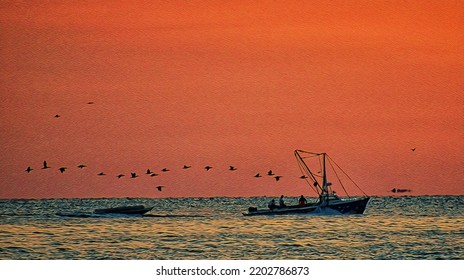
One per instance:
[(271, 204), (302, 201), (281, 201)]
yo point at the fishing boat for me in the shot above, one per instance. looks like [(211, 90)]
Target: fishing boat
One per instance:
[(126, 210), (327, 202)]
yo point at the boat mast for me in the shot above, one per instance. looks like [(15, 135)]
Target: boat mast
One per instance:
[(325, 187)]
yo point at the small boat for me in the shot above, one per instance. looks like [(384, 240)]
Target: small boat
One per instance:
[(126, 210), (328, 202)]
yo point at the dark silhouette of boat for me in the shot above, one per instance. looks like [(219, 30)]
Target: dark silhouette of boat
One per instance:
[(126, 210), (328, 202)]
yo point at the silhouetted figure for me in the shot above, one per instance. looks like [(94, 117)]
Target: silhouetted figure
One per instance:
[(208, 167), (186, 166), (62, 169), (160, 188), (45, 166), (29, 169), (134, 175), (165, 170), (232, 168), (120, 175), (277, 178), (302, 201), (101, 174), (269, 173), (81, 166), (271, 204), (281, 201), (258, 175)]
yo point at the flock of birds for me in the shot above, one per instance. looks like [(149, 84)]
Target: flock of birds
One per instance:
[(149, 172)]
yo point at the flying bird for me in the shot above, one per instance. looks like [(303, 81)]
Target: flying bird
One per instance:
[(90, 102), (153, 174), (134, 175), (28, 169), (160, 188), (120, 175), (101, 174), (413, 149), (57, 116), (45, 166), (303, 177), (232, 168), (81, 166), (258, 175), (148, 172), (277, 178), (270, 173), (186, 166), (62, 169), (208, 167), (165, 170)]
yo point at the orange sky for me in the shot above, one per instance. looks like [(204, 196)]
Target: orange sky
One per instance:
[(242, 84)]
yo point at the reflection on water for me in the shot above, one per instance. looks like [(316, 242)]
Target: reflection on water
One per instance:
[(213, 228)]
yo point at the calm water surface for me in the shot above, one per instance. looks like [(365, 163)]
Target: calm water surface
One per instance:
[(214, 228)]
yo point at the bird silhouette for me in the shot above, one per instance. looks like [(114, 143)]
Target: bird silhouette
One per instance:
[(62, 169), (28, 169), (148, 172), (258, 175), (134, 175), (120, 175), (186, 166), (277, 178), (160, 188), (303, 177), (208, 167), (81, 166), (153, 174), (165, 170), (57, 116), (413, 149), (45, 166), (90, 102), (269, 173), (101, 174), (232, 168)]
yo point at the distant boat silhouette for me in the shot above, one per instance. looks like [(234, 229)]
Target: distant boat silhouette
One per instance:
[(208, 167), (269, 173), (120, 175), (81, 166), (232, 168), (62, 169), (45, 166), (258, 175), (395, 190), (101, 174), (29, 169), (186, 166), (160, 188), (165, 170)]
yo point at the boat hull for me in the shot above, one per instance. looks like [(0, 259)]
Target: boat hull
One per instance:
[(334, 207), (127, 210)]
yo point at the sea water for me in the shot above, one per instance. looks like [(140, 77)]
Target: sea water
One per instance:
[(427, 227)]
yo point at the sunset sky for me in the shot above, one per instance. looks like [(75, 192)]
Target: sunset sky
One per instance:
[(241, 83)]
